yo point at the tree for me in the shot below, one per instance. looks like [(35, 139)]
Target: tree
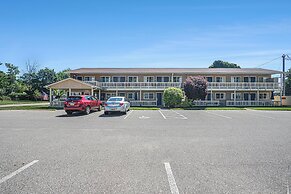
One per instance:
[(195, 87), (62, 75), (45, 77), (223, 64), (11, 77), (288, 83), (172, 96)]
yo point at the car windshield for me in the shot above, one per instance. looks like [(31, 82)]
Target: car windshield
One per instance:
[(74, 98), (114, 99)]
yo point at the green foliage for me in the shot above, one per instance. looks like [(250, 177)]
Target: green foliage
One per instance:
[(30, 84), (186, 103), (223, 64), (2, 98), (195, 88), (19, 96), (288, 83), (172, 97)]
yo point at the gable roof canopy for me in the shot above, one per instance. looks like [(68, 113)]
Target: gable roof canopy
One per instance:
[(202, 71), (70, 83)]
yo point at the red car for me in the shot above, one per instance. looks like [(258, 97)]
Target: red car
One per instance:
[(83, 103)]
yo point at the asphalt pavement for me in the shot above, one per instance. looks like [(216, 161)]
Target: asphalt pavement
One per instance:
[(161, 151)]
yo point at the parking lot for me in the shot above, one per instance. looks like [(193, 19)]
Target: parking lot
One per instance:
[(152, 151)]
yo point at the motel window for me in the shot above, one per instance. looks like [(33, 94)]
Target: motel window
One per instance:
[(177, 79), (163, 79), (219, 79), (118, 79), (238, 96), (105, 79), (220, 96), (208, 97), (132, 79), (263, 96), (148, 95), (209, 79), (130, 95), (246, 79), (89, 78), (148, 78), (80, 78), (253, 79), (121, 94), (235, 79), (108, 95)]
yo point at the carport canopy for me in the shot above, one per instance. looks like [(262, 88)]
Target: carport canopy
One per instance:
[(69, 84)]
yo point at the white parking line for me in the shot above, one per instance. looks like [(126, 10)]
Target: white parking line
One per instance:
[(17, 171), (128, 114), (180, 114), (162, 114), (171, 179), (219, 115)]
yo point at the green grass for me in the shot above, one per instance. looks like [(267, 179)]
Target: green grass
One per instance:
[(271, 108), (6, 102), (211, 108), (38, 107), (144, 108)]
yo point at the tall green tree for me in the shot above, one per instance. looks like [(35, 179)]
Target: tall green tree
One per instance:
[(45, 77), (288, 83), (223, 64), (11, 77), (62, 75)]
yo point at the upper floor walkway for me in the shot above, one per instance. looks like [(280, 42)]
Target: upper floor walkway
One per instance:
[(216, 86)]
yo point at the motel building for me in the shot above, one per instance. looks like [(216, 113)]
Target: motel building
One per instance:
[(145, 86)]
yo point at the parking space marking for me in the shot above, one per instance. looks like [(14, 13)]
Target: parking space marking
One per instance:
[(171, 179), (183, 117), (128, 114), (17, 171), (162, 114), (219, 115)]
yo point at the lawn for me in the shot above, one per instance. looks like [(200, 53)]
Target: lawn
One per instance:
[(211, 108), (38, 107), (144, 108), (6, 102), (272, 108)]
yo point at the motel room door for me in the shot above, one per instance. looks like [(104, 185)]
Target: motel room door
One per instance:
[(159, 99)]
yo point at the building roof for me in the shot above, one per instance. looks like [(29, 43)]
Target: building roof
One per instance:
[(69, 83), (174, 70)]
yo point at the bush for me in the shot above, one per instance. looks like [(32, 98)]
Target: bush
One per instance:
[(19, 96), (172, 97), (186, 103), (2, 98)]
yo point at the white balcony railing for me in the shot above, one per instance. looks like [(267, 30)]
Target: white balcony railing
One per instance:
[(135, 85), (242, 86), (143, 103), (205, 103), (210, 85), (250, 103)]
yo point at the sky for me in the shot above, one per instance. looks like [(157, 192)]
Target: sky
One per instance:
[(62, 34)]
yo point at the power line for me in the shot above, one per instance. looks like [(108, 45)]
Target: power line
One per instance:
[(268, 62)]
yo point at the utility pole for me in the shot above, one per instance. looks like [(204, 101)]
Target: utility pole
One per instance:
[(283, 81)]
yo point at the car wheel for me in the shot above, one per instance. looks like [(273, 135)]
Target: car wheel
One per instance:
[(69, 112), (87, 110), (125, 112), (106, 113), (99, 108)]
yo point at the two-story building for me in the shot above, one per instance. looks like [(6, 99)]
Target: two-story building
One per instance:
[(145, 86)]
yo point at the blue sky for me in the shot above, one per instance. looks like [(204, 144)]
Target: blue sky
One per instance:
[(150, 33)]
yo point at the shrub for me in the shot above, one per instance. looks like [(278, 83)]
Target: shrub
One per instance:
[(5, 98), (172, 97), (195, 88), (19, 96), (186, 103)]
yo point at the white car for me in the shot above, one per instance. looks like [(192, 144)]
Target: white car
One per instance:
[(116, 104)]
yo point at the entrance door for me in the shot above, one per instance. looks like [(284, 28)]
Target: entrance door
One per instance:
[(159, 99)]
